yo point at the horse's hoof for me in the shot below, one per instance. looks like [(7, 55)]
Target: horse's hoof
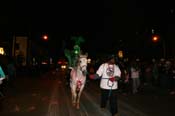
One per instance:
[(74, 104)]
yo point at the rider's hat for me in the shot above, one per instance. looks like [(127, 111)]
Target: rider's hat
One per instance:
[(111, 56)]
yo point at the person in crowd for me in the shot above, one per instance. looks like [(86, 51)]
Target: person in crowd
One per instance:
[(172, 80), (155, 73), (135, 76), (109, 73), (2, 77), (11, 70)]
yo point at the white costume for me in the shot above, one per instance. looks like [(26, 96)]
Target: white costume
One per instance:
[(107, 71)]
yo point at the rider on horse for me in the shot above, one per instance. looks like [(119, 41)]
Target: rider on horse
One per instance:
[(72, 55)]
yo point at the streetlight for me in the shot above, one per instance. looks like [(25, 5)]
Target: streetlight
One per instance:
[(155, 39), (45, 37)]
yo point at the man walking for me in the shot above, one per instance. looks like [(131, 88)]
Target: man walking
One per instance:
[(109, 73)]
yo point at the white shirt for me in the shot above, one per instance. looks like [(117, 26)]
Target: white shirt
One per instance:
[(134, 73), (104, 73)]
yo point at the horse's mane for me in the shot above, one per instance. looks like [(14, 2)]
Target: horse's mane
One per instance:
[(82, 56)]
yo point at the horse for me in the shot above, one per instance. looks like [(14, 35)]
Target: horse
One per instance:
[(78, 79)]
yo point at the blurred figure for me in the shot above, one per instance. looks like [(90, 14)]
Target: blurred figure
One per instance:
[(148, 73), (2, 77), (172, 80), (2, 74), (135, 76), (91, 70), (68, 76), (11, 70), (155, 73), (126, 82)]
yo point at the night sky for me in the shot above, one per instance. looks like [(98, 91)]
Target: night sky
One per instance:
[(106, 25)]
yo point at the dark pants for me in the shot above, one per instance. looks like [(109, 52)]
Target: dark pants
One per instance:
[(172, 84), (2, 87), (11, 80), (68, 76), (112, 100)]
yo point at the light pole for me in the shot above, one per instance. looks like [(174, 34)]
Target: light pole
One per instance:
[(155, 39), (164, 48)]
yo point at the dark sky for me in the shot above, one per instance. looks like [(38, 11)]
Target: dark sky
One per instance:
[(106, 25)]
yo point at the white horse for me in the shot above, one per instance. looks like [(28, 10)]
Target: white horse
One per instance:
[(78, 79)]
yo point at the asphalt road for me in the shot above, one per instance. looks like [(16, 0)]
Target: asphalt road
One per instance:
[(48, 95)]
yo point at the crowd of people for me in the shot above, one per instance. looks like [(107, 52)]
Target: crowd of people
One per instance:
[(156, 73), (137, 73), (130, 77)]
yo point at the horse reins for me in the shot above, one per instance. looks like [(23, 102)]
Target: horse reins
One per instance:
[(109, 86)]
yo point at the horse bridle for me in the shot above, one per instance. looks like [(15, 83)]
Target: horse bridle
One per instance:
[(81, 67)]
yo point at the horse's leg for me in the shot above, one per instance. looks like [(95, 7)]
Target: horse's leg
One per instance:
[(78, 97), (74, 94)]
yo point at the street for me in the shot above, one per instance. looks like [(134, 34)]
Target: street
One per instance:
[(48, 95)]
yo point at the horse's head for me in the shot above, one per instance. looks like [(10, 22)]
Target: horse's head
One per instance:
[(82, 63)]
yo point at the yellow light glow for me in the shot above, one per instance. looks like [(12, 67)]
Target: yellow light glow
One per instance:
[(1, 51), (89, 60), (120, 54), (63, 66)]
